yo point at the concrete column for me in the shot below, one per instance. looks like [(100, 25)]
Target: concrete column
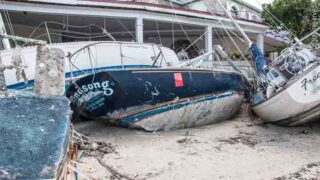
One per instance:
[(208, 40), (49, 78), (5, 41), (139, 30), (260, 42)]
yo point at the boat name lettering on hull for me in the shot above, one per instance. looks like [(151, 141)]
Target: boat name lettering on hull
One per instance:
[(85, 89), (305, 82)]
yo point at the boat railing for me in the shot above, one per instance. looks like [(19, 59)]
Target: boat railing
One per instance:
[(299, 43)]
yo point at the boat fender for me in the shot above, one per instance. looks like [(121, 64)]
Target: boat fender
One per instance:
[(270, 91)]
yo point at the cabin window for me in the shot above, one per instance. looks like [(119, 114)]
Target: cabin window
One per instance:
[(275, 74)]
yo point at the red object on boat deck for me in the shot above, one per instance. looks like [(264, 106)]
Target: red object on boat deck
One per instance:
[(178, 80)]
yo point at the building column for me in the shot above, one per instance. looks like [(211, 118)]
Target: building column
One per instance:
[(260, 42), (5, 41), (139, 30), (208, 40)]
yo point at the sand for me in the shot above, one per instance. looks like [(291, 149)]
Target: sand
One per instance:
[(241, 148)]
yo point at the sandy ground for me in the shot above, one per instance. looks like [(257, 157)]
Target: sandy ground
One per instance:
[(242, 148)]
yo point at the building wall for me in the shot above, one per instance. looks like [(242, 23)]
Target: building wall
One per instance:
[(244, 12), (26, 22)]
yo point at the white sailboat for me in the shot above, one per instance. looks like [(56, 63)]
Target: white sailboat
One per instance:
[(288, 90), (94, 56), (293, 92)]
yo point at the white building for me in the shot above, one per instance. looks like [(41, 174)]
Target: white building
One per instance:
[(175, 23)]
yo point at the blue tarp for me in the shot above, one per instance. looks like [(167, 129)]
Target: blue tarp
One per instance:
[(259, 59), (34, 135)]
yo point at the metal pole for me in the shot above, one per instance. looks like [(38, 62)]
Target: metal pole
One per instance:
[(199, 58), (18, 38), (5, 41), (139, 30), (236, 24), (48, 32)]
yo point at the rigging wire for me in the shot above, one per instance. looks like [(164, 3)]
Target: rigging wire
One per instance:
[(195, 41), (70, 36), (241, 53), (249, 63), (274, 19), (183, 30), (91, 63), (224, 42), (173, 36), (159, 36), (134, 38), (103, 31), (243, 56)]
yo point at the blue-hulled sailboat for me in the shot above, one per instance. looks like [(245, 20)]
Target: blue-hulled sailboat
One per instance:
[(158, 98)]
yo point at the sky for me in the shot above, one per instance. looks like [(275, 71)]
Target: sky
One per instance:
[(258, 2)]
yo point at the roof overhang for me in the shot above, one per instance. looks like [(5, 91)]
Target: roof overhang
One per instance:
[(182, 2), (129, 10)]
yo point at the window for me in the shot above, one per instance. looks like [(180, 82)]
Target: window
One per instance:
[(254, 17), (247, 15), (234, 11)]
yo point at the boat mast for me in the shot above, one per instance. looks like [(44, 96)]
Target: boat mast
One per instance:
[(236, 24), (257, 55)]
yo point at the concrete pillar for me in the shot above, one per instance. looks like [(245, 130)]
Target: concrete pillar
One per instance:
[(49, 77), (5, 41), (260, 42), (208, 40), (139, 30)]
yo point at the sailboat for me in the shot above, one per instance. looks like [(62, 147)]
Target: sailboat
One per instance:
[(139, 85), (89, 57), (288, 90), (161, 97)]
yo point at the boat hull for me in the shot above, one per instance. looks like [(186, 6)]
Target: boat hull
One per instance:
[(297, 104), (120, 95), (190, 113)]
